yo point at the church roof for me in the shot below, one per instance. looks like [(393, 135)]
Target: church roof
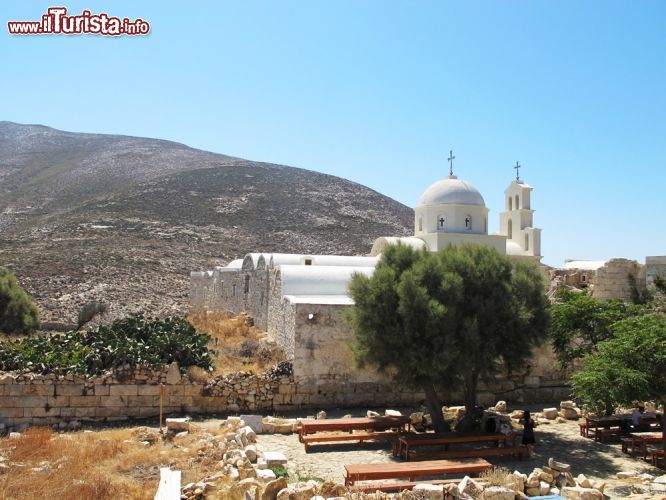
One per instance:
[(452, 191)]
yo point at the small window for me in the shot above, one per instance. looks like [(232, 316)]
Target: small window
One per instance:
[(583, 278), (527, 242), (517, 202), (510, 203), (485, 225), (468, 222), (308, 262), (247, 284), (510, 229), (233, 290), (420, 223), (441, 223)]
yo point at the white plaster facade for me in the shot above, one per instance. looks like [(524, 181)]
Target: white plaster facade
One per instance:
[(516, 222)]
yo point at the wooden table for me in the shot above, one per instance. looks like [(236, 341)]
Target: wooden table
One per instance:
[(445, 439), (412, 470), (340, 429), (600, 426), (642, 439)]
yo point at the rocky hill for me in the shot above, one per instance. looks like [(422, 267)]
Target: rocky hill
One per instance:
[(125, 219)]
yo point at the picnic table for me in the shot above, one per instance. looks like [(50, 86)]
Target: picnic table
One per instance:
[(347, 429), (407, 442), (412, 470), (641, 440), (598, 427)]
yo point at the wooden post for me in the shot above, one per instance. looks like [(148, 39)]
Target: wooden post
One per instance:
[(161, 404)]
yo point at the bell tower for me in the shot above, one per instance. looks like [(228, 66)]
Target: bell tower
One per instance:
[(516, 222)]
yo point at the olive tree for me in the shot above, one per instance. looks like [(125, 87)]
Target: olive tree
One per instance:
[(451, 318)]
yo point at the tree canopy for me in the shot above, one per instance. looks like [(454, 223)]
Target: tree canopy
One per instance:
[(18, 314), (629, 367), (452, 317), (580, 322)]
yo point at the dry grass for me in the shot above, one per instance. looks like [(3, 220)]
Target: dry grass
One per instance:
[(497, 476), (239, 347), (101, 465)]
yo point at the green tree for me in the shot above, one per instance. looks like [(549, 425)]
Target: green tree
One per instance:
[(580, 322), (453, 317), (629, 367), (17, 312)]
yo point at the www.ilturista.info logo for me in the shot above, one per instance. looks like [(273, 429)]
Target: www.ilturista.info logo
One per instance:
[(57, 22)]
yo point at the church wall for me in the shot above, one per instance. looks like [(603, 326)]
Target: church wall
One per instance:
[(439, 241), (280, 319)]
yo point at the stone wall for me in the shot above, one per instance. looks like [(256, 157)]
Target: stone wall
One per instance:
[(614, 279), (655, 266)]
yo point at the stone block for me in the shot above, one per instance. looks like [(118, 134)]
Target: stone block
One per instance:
[(123, 390), (275, 458), (143, 400), (254, 422), (85, 412), (498, 493), (11, 413), (173, 374), (70, 389), (430, 491), (85, 401), (178, 424), (101, 390), (578, 493), (24, 390), (148, 390)]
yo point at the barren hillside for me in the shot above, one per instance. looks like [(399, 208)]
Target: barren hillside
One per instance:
[(125, 219)]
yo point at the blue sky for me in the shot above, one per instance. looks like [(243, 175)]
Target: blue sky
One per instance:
[(378, 92)]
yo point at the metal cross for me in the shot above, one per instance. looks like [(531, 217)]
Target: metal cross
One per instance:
[(451, 158), (517, 167)]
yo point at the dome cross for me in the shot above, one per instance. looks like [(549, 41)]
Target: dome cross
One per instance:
[(450, 160)]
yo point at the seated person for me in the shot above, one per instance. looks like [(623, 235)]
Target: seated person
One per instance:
[(636, 420)]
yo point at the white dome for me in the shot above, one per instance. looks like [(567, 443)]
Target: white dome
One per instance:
[(513, 248), (452, 191)]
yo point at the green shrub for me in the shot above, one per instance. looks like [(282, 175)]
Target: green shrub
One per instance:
[(17, 312), (131, 341)]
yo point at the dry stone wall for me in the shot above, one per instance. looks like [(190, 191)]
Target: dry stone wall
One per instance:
[(616, 278)]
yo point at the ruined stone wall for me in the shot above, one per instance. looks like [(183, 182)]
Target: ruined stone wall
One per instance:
[(614, 279), (281, 323), (654, 266)]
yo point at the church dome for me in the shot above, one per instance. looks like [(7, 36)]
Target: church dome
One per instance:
[(452, 191)]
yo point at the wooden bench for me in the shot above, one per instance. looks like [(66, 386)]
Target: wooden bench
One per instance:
[(412, 470), (583, 428), (347, 436), (389, 487), (656, 454), (600, 433), (408, 442), (517, 451)]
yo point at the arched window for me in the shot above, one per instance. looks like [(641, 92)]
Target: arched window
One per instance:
[(420, 223), (441, 223), (510, 229), (485, 225), (247, 283), (527, 242), (468, 222), (517, 202), (510, 203)]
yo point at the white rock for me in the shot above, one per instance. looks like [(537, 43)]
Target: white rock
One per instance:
[(567, 404), (321, 415), (498, 493), (392, 413), (544, 488), (371, 414), (501, 406), (255, 422), (583, 482), (178, 424), (173, 374), (578, 493), (558, 466), (550, 413), (627, 474), (251, 453), (430, 491), (249, 434), (470, 487), (275, 458), (266, 475)]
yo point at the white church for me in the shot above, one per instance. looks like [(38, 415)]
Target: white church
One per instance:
[(298, 298)]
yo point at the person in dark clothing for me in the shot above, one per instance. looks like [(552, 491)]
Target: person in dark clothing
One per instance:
[(528, 432)]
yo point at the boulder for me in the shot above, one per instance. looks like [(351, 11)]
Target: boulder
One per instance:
[(578, 493), (266, 475), (545, 477), (501, 406), (173, 374), (251, 452), (254, 422), (392, 413), (583, 482), (517, 414), (275, 458), (321, 415), (558, 466), (570, 413), (272, 488), (567, 404), (430, 491), (371, 414), (498, 493), (330, 489), (627, 474), (178, 424), (302, 492), (550, 413), (544, 488), (249, 433), (451, 490), (470, 487), (237, 491), (533, 480)]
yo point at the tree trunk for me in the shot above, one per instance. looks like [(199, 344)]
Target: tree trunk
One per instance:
[(468, 422), (663, 432), (435, 408)]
